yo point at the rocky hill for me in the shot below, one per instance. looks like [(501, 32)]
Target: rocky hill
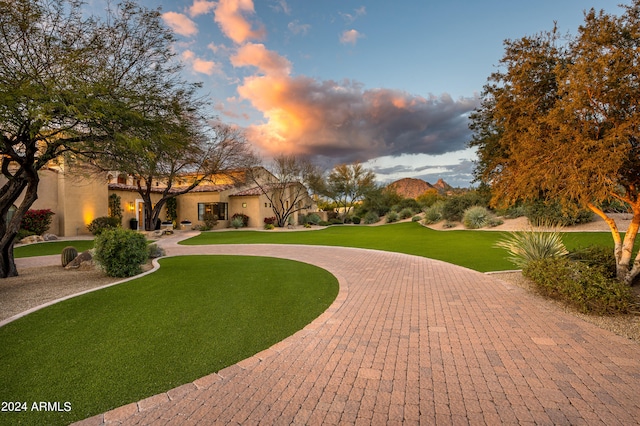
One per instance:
[(442, 186), (413, 188)]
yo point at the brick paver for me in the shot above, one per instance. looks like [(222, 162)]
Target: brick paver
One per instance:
[(414, 341)]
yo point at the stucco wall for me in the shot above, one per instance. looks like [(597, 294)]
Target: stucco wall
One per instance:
[(80, 200)]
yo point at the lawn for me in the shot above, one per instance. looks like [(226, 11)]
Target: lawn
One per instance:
[(52, 247), (193, 317), (472, 249)]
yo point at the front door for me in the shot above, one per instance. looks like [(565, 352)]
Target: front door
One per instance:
[(140, 213)]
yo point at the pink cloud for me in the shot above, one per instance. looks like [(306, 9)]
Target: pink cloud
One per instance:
[(180, 23), (199, 65), (267, 61), (201, 7), (229, 14), (350, 37)]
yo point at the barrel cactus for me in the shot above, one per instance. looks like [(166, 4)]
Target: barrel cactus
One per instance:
[(68, 254)]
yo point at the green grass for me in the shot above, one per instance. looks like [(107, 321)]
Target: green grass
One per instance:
[(53, 247), (193, 317), (471, 249)]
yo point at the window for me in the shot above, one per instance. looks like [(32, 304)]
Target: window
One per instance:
[(219, 209)]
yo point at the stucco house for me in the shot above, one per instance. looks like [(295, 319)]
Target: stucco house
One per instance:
[(78, 198)]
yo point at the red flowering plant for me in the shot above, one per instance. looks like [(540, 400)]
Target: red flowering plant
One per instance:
[(37, 221)]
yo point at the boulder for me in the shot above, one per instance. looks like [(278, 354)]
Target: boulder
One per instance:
[(50, 237), (32, 239), (81, 259)]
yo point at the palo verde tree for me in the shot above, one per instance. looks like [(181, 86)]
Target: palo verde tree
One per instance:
[(561, 121), (348, 184), (285, 185), (73, 85)]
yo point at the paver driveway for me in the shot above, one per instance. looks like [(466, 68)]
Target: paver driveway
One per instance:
[(412, 340)]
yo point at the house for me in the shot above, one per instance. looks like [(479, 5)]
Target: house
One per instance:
[(78, 198)]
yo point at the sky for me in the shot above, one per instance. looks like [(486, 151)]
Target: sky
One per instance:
[(389, 84)]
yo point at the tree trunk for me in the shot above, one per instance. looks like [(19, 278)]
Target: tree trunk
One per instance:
[(10, 193), (623, 249)]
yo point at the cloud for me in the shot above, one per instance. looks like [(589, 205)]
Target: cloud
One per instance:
[(350, 17), (281, 5), (180, 23), (350, 37), (229, 16), (267, 61), (344, 122), (199, 65), (201, 7), (297, 28)]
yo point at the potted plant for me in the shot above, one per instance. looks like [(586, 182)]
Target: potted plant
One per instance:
[(133, 224)]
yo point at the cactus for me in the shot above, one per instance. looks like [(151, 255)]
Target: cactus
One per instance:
[(68, 254)]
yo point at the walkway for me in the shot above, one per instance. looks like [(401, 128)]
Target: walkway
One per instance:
[(412, 340)]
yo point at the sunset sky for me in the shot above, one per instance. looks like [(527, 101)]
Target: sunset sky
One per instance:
[(386, 83)]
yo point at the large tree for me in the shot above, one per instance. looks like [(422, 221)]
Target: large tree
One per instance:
[(285, 185), (71, 84), (348, 184), (189, 152), (561, 121)]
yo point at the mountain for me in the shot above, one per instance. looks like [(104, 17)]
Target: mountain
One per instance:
[(442, 186), (410, 187), (413, 188)]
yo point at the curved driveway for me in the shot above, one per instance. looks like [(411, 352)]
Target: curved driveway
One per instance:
[(412, 340)]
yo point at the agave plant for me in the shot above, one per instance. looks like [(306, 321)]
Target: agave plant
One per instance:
[(527, 246)]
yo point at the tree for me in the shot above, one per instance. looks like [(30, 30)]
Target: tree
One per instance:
[(284, 185), (72, 86), (560, 121), (188, 154), (348, 184)]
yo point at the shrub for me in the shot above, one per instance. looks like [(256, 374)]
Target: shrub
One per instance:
[(433, 214), (312, 218), (596, 257), (554, 213), (99, 224), (494, 221), (335, 222), (355, 220), (476, 217), (120, 252), (455, 205), (37, 221), (324, 223), (392, 217), (410, 203), (210, 220), (243, 217), (155, 251), (416, 219), (405, 213), (269, 226), (528, 246), (237, 223), (583, 287), (270, 220), (513, 212), (448, 225), (371, 218), (115, 210)]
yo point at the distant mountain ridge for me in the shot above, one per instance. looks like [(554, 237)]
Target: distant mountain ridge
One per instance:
[(413, 188)]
